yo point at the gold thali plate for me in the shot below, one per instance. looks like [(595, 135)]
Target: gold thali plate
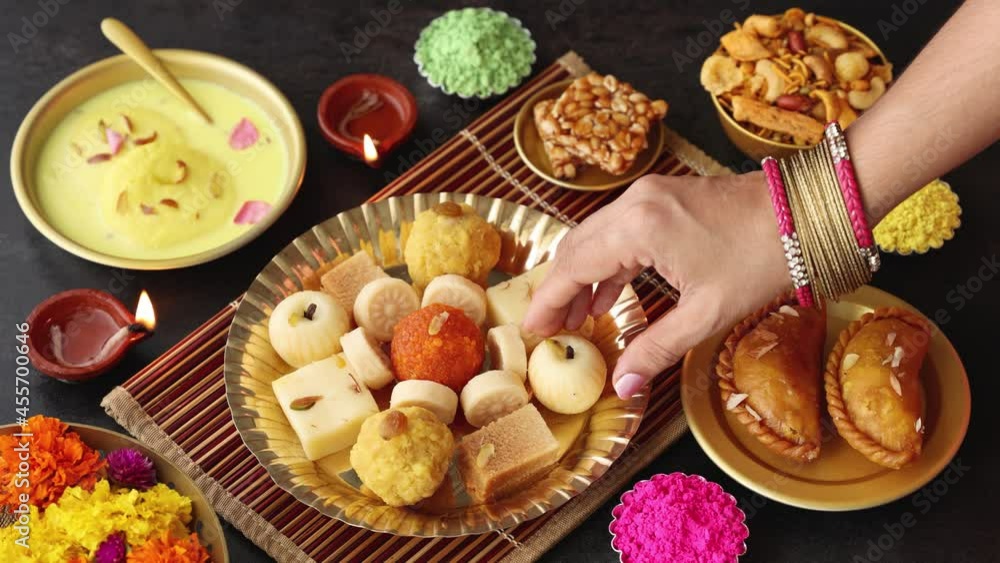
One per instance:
[(588, 178), (841, 479), (204, 521), (589, 442)]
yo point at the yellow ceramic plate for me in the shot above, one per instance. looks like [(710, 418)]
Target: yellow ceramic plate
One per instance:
[(104, 74), (841, 479), (205, 522), (588, 178), (590, 442)]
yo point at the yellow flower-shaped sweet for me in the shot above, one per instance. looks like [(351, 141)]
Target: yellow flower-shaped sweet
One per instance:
[(922, 222)]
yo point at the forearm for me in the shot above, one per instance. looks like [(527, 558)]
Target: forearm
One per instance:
[(941, 112)]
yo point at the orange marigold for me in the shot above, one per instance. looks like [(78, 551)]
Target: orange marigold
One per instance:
[(168, 549), (56, 460)]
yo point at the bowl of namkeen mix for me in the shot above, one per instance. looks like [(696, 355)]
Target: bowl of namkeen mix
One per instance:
[(378, 369), (777, 80), (93, 495)]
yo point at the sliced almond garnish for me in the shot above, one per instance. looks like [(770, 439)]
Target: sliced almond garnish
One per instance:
[(759, 352), (766, 334), (437, 323), (394, 424), (304, 403), (788, 311), (752, 412), (890, 338), (127, 123), (849, 361), (99, 157), (170, 203), (919, 425), (182, 172), (139, 141), (147, 209), (895, 385), (486, 452), (121, 206), (897, 356), (734, 400)]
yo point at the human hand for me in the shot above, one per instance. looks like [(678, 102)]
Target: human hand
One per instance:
[(715, 239)]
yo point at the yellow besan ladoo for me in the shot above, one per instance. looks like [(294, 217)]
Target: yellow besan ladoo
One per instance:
[(132, 172)]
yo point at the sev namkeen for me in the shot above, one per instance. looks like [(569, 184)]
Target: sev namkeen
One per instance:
[(784, 77)]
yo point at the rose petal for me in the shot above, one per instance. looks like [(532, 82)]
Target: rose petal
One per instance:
[(251, 212), (115, 140), (244, 135)]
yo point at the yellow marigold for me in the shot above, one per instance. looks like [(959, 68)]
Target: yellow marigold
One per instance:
[(923, 221), (168, 549)]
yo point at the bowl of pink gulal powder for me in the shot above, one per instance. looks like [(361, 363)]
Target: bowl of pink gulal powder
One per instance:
[(678, 518)]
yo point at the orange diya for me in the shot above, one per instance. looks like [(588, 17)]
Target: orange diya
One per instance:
[(79, 334), (367, 105)]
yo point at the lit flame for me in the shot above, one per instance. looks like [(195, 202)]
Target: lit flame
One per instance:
[(371, 153), (144, 313)]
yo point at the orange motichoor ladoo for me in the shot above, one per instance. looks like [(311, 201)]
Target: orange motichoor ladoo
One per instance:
[(873, 387), (770, 377)]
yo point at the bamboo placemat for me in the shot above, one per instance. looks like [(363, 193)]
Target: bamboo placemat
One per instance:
[(177, 404)]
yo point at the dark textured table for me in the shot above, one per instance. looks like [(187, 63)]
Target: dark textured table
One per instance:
[(300, 47)]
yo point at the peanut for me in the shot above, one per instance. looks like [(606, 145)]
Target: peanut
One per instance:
[(796, 42), (793, 102)]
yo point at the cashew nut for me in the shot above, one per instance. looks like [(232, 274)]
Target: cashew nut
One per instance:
[(831, 106), (851, 65), (775, 82), (864, 100), (767, 26), (827, 36), (794, 18), (819, 67)]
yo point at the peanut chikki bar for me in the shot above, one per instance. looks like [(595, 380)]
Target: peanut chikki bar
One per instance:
[(563, 164)]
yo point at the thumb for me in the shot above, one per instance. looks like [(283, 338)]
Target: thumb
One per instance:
[(660, 346)]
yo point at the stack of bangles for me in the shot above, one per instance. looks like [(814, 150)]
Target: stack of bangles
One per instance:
[(821, 220)]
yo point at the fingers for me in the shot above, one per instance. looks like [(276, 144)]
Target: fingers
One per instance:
[(578, 309), (608, 291), (662, 345)]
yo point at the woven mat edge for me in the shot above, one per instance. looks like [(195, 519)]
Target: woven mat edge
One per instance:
[(121, 406)]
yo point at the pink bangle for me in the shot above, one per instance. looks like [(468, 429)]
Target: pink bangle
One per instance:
[(852, 195), (786, 228)]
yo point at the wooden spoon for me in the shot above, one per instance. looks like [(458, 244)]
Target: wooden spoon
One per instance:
[(125, 39)]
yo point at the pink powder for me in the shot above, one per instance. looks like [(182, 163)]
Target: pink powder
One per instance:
[(680, 519)]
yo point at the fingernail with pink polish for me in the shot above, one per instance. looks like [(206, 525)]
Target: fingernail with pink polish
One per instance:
[(628, 385)]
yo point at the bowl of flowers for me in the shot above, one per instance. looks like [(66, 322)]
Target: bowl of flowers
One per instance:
[(79, 494)]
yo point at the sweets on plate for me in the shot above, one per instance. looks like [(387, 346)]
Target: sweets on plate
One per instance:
[(437, 398), (325, 405), (306, 326), (873, 388), (450, 238), (438, 343), (457, 291), (382, 303), (491, 395), (784, 77), (770, 377), (567, 373), (563, 164), (402, 454), (366, 359), (506, 349), (345, 281), (507, 454), (600, 121)]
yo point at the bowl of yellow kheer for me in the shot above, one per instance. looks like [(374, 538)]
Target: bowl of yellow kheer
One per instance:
[(111, 167)]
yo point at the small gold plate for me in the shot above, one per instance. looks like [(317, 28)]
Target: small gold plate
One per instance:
[(588, 178), (841, 479), (204, 521), (589, 442)]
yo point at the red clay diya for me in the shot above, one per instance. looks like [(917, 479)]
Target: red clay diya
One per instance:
[(370, 105), (80, 334)]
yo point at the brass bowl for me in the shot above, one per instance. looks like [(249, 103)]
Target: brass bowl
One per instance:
[(204, 521), (95, 78), (757, 147), (589, 442)]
